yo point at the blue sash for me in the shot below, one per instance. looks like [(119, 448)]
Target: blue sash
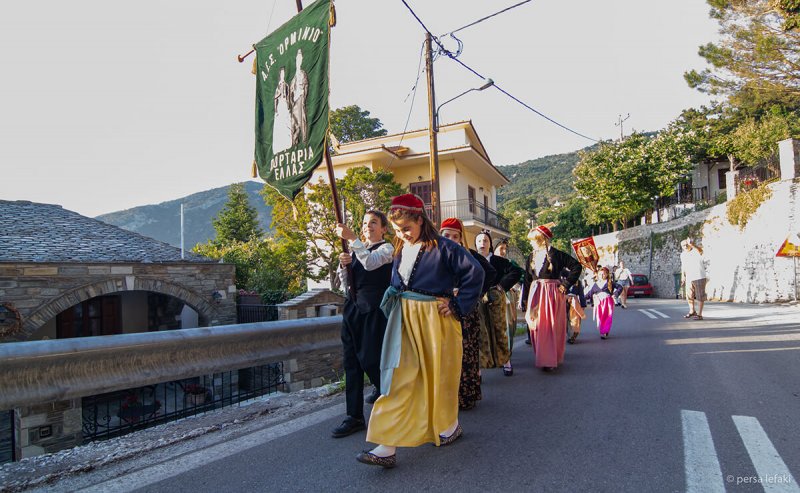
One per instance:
[(390, 352)]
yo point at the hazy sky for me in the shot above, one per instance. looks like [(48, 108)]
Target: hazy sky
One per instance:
[(106, 105)]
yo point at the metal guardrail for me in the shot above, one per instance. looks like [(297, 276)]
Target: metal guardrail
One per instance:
[(37, 372)]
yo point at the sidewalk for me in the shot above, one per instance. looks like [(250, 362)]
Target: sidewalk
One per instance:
[(214, 427)]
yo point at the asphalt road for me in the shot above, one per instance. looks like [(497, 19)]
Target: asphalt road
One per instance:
[(664, 404)]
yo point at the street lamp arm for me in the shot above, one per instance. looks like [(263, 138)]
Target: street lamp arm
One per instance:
[(489, 83)]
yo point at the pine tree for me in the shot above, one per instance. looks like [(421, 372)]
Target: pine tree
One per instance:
[(238, 220)]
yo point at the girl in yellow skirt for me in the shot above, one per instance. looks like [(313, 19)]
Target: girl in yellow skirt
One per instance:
[(422, 348)]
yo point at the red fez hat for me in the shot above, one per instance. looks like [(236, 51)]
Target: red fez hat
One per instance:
[(452, 223), (408, 202), (545, 231)]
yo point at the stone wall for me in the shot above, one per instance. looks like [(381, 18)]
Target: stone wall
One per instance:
[(310, 304), (40, 291), (314, 368), (740, 263), (50, 427)]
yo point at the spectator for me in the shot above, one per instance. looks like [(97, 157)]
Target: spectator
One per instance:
[(693, 278), (624, 278)]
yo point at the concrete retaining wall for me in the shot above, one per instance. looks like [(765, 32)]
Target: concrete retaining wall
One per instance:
[(740, 263)]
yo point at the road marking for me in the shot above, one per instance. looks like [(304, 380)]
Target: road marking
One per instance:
[(700, 462), (662, 315), (647, 313), (771, 470), (178, 465)]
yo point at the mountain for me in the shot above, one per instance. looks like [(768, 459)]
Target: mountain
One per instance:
[(546, 179), (163, 221)]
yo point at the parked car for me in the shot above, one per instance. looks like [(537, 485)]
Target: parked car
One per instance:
[(641, 286)]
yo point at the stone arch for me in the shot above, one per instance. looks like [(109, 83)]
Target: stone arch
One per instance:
[(115, 285)]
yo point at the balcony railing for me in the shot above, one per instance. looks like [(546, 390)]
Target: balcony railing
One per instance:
[(749, 178), (469, 210), (685, 196)]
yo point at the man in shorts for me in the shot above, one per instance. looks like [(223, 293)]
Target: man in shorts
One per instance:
[(693, 278)]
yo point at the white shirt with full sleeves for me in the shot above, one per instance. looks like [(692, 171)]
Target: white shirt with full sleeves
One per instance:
[(409, 257)]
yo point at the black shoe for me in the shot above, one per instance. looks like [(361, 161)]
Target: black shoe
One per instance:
[(370, 399), (528, 342), (348, 427), (508, 371)]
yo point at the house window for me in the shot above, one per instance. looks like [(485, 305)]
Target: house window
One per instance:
[(98, 316), (423, 189), (471, 195), (723, 183)]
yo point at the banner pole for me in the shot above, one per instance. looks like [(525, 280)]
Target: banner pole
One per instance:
[(335, 195)]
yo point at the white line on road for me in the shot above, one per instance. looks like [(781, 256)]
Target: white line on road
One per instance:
[(662, 315), (173, 467), (773, 474), (647, 313), (700, 462)]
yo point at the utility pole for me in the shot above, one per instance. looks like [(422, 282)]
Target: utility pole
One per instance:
[(432, 130), (619, 124)]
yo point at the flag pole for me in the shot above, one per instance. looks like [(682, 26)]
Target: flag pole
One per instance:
[(335, 195)]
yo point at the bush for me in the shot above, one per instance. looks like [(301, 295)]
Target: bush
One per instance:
[(742, 207)]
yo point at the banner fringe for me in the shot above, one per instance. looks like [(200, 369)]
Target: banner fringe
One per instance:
[(332, 19), (254, 171)]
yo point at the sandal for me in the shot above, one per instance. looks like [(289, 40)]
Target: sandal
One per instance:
[(697, 317), (690, 315)]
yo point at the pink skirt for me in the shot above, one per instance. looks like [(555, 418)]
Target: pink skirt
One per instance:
[(604, 314), (546, 316)]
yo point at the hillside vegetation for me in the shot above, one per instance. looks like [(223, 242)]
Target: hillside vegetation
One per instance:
[(163, 221), (545, 179)]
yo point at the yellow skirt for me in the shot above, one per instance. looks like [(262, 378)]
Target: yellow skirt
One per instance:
[(423, 397)]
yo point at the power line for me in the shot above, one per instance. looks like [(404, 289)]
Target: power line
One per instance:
[(526, 105), (489, 16), (413, 94), (453, 57)]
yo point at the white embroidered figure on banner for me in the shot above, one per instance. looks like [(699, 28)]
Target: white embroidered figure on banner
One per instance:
[(298, 92), (282, 124)]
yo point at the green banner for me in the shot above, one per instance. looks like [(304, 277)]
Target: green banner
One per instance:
[(292, 99)]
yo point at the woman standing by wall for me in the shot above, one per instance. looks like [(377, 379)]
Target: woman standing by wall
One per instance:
[(624, 278), (422, 348)]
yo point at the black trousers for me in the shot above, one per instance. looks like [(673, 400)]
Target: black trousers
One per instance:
[(362, 340)]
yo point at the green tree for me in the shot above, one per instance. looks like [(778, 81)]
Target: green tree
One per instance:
[(758, 53), (363, 190), (351, 123), (756, 141), (263, 265), (308, 223), (571, 222), (621, 179), (238, 220)]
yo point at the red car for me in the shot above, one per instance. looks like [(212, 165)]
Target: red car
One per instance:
[(641, 286)]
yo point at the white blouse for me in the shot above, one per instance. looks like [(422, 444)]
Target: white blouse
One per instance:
[(407, 260)]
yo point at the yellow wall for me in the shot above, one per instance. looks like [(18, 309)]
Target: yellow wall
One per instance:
[(467, 177)]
